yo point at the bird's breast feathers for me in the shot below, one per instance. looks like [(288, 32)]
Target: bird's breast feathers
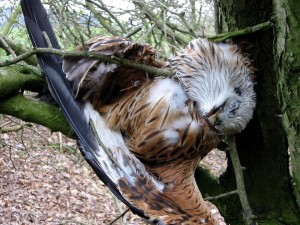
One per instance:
[(160, 124)]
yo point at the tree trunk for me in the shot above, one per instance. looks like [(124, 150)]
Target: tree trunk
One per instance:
[(287, 65), (263, 146)]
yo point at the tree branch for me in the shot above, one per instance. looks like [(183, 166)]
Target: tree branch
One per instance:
[(240, 184), (89, 55), (245, 31), (221, 195), (17, 48), (36, 112), (118, 217), (14, 128), (18, 77), (159, 23), (12, 20), (109, 13), (100, 18)]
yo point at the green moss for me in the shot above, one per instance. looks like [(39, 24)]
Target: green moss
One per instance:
[(36, 112), (16, 77), (288, 66)]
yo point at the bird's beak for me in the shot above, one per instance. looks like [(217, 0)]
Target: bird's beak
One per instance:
[(212, 118)]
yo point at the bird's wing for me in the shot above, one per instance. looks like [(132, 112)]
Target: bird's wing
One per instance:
[(154, 192), (158, 125), (103, 148), (102, 83)]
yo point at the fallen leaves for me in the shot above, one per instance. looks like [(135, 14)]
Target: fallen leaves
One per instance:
[(41, 185)]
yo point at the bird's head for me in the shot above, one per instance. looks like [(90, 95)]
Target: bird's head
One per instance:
[(219, 79)]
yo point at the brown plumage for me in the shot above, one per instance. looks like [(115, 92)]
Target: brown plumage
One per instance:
[(144, 136), (170, 142), (162, 123)]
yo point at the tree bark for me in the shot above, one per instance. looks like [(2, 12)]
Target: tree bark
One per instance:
[(263, 145), (287, 65)]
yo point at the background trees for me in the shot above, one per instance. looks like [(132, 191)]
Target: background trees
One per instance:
[(272, 139)]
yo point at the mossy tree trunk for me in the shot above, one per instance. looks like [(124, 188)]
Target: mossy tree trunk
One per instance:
[(263, 146), (287, 65)]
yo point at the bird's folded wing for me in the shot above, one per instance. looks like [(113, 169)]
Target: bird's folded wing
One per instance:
[(103, 149), (101, 82)]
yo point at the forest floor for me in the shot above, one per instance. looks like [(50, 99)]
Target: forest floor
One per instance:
[(45, 180)]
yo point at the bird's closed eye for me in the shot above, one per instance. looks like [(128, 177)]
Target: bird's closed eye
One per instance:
[(237, 91), (234, 105)]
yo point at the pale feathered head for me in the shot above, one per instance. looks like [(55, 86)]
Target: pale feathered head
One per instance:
[(219, 79)]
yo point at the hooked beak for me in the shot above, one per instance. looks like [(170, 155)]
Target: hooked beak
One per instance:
[(212, 118)]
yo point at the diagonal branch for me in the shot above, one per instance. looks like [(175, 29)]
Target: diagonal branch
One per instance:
[(36, 112), (16, 47), (248, 30), (12, 20), (89, 55), (100, 18), (103, 6), (240, 184), (159, 23)]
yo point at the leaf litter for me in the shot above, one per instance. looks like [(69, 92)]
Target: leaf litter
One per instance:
[(45, 180)]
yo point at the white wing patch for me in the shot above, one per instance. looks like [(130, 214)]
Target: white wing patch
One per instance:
[(114, 157)]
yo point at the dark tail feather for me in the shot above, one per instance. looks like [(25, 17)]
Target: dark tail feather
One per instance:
[(36, 22), (36, 12)]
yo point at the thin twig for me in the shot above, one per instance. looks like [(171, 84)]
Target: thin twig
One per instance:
[(6, 46), (60, 142), (121, 215), (221, 195), (16, 48), (11, 20), (118, 207), (240, 184), (133, 32), (103, 7), (182, 17), (47, 39), (14, 128)]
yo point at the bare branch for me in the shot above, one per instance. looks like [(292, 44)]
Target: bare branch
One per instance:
[(103, 6), (221, 195), (158, 22), (133, 32), (17, 48), (100, 18), (6, 47), (89, 55), (247, 30), (240, 184), (14, 128), (217, 16), (12, 20), (182, 17), (121, 215)]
